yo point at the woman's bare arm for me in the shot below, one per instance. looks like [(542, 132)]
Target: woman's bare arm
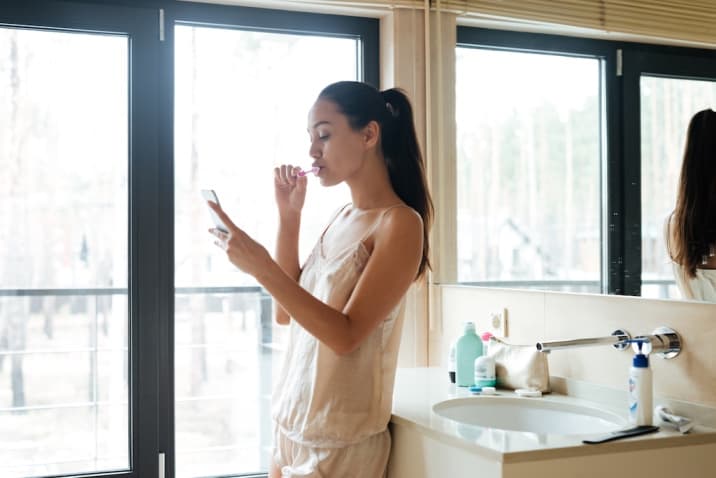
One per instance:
[(389, 272), (290, 193), (391, 269), (287, 257)]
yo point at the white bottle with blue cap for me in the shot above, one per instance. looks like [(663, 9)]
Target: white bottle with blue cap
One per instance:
[(641, 392)]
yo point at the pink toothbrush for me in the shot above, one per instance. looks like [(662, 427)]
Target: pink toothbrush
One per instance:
[(313, 170)]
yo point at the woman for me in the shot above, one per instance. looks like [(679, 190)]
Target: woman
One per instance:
[(333, 399), (691, 230)]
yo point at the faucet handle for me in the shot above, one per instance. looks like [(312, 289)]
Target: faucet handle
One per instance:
[(663, 341), (623, 337)]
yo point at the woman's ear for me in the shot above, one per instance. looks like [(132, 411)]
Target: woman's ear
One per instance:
[(371, 134)]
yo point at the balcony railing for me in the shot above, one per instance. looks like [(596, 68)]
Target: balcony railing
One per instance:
[(26, 336)]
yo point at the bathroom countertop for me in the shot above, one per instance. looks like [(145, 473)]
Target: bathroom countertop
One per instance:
[(418, 389)]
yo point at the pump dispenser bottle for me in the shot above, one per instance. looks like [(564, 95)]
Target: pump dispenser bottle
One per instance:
[(468, 348), (485, 365), (641, 392)]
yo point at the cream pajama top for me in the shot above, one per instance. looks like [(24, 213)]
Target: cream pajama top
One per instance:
[(325, 400), (701, 287)]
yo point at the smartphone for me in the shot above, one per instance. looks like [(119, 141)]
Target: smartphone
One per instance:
[(210, 195)]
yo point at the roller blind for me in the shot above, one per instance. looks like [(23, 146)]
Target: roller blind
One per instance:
[(365, 3), (687, 20)]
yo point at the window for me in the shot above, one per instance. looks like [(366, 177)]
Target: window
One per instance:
[(663, 87), (242, 99), (76, 133), (667, 106), (244, 81), (122, 330), (528, 168), (568, 155), (529, 156), (63, 311)]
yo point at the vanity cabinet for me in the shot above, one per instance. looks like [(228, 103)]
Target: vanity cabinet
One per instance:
[(417, 454), (427, 445)]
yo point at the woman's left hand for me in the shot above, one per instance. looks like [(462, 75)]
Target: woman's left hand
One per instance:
[(242, 251)]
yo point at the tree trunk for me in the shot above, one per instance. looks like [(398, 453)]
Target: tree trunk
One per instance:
[(197, 302), (17, 312)]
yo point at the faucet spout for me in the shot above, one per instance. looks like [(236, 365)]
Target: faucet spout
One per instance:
[(619, 340), (664, 342)]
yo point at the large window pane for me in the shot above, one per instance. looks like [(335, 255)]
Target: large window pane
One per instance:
[(667, 106), (63, 260), (242, 101), (528, 169)]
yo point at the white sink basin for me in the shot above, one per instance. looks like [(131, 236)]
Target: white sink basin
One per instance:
[(537, 415)]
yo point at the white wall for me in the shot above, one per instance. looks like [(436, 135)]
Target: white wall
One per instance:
[(536, 316)]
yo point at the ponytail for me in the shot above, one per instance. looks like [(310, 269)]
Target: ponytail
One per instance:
[(361, 103), (404, 160)]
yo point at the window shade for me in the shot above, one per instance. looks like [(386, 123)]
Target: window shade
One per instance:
[(365, 3), (686, 20)]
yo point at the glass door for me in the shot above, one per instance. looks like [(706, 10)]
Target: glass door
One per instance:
[(76, 132), (64, 217), (241, 102), (103, 310)]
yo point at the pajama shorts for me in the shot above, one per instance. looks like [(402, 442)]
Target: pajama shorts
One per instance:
[(365, 459)]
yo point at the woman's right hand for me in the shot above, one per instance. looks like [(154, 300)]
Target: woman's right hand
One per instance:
[(290, 189)]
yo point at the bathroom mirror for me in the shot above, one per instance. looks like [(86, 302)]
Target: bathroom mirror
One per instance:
[(539, 195)]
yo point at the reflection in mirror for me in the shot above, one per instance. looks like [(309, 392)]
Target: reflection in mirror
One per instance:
[(667, 106), (528, 170), (691, 236)]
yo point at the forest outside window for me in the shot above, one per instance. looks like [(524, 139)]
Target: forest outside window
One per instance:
[(529, 153), (241, 104), (64, 365), (568, 157), (123, 331)]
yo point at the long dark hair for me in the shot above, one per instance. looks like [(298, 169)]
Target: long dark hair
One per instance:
[(361, 104), (693, 221)]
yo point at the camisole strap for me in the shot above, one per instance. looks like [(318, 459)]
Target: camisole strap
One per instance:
[(335, 216)]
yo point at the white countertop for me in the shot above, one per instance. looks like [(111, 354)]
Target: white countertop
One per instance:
[(418, 389)]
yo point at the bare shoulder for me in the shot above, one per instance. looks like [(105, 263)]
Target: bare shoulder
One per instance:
[(401, 222)]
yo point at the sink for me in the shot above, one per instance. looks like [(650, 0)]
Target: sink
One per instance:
[(537, 415)]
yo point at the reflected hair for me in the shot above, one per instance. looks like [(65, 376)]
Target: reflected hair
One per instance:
[(692, 231), (362, 103)]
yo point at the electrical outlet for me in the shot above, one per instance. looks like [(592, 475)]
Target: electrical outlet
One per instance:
[(498, 323)]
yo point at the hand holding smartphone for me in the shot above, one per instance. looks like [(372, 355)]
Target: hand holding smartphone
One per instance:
[(210, 195)]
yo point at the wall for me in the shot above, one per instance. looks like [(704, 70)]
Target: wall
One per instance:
[(534, 316), (403, 65)]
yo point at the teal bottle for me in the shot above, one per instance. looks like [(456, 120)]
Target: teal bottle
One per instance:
[(468, 348)]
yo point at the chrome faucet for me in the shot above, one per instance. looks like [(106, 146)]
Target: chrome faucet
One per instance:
[(619, 340), (663, 341)]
